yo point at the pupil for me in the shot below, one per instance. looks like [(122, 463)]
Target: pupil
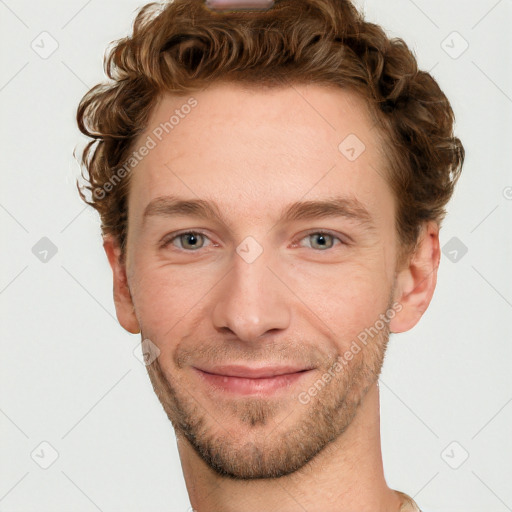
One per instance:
[(322, 240)]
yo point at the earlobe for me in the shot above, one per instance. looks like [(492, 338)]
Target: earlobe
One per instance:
[(122, 297), (417, 281)]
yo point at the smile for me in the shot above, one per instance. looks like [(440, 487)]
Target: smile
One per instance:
[(247, 381)]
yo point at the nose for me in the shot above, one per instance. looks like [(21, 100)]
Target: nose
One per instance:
[(251, 301)]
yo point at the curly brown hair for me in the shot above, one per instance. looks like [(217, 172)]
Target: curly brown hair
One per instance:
[(182, 46)]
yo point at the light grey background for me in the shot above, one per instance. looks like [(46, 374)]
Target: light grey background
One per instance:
[(69, 375)]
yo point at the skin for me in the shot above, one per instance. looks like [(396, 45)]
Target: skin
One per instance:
[(254, 152)]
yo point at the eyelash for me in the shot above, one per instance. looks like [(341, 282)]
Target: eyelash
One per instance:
[(168, 241)]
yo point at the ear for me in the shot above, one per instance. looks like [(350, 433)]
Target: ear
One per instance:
[(122, 296), (416, 282)]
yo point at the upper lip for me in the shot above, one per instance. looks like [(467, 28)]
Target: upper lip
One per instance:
[(252, 373)]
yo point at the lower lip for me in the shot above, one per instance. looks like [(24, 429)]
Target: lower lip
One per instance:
[(244, 386)]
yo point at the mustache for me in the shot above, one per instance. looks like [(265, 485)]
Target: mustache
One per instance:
[(265, 354)]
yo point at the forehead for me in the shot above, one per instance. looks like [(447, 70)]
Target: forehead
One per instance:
[(255, 146)]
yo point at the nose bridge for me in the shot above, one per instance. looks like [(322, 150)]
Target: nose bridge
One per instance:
[(251, 300)]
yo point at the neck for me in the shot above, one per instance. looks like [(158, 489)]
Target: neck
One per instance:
[(347, 475)]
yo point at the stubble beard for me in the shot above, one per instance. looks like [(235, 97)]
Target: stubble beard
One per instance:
[(275, 449)]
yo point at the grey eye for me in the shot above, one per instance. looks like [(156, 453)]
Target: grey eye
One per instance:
[(190, 240), (321, 240)]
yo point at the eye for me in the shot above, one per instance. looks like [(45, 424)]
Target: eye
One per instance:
[(322, 240), (189, 240)]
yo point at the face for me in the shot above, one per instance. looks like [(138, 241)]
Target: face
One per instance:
[(255, 305)]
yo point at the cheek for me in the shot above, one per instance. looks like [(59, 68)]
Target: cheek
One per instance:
[(347, 298), (162, 297), (168, 298)]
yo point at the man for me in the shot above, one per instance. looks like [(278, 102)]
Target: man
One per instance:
[(307, 162)]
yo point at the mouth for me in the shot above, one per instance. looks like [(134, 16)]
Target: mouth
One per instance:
[(245, 381)]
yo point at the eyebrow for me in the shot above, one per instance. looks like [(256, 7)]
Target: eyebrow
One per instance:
[(337, 206)]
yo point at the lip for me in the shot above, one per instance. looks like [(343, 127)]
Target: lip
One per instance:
[(244, 380), (252, 373)]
